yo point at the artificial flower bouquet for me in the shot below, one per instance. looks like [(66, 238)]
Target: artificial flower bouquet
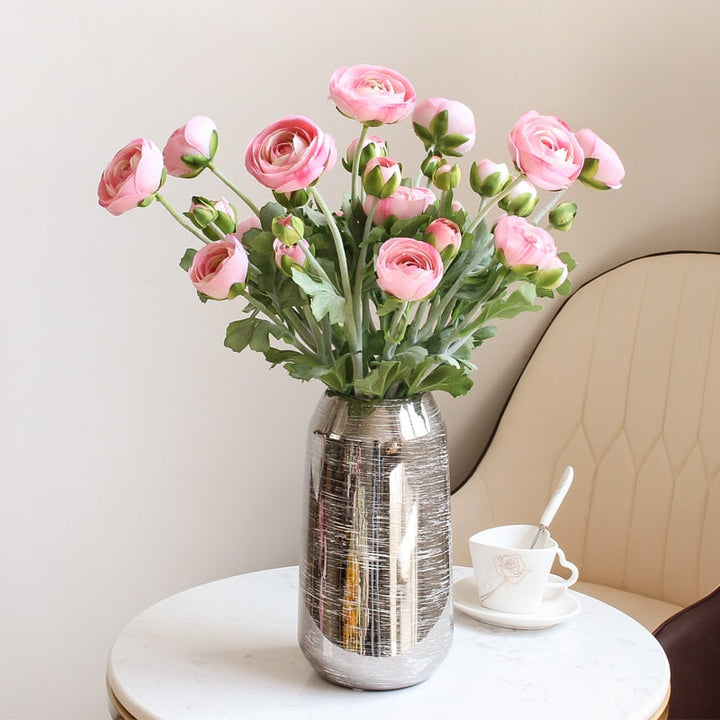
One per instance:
[(388, 295)]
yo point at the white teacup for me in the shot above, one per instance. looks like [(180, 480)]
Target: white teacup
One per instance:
[(510, 576)]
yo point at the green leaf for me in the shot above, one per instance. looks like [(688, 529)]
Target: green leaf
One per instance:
[(238, 334), (439, 124), (448, 144), (567, 258), (336, 378), (522, 300), (235, 290), (187, 258), (412, 356), (484, 333), (565, 288), (194, 161), (213, 143), (268, 212), (407, 228), (324, 299), (445, 378), (390, 305), (380, 378), (424, 134)]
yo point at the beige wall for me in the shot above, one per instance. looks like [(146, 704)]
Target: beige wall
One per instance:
[(137, 455)]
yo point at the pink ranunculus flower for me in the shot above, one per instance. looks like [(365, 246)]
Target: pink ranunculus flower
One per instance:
[(461, 121), (294, 252), (609, 173), (546, 150), (523, 243), (443, 233), (290, 154), (404, 204), (408, 269), (194, 139), (217, 266), (372, 94), (133, 175)]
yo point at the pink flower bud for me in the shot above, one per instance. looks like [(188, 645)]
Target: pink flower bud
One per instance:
[(603, 168), (218, 266), (443, 233), (454, 135), (196, 142), (293, 252)]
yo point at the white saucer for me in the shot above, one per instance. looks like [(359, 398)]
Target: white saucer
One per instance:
[(554, 610)]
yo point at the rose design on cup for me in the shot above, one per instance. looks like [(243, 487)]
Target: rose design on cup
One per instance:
[(511, 568)]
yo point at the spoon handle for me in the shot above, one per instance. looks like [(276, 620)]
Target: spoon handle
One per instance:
[(554, 503), (558, 496)]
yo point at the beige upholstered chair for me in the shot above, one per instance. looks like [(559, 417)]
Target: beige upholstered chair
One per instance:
[(625, 387)]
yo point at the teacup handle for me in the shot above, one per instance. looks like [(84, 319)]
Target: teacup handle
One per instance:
[(574, 572)]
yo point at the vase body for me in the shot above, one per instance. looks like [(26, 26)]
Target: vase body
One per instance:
[(375, 605)]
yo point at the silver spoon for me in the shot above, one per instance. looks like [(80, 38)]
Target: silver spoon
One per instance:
[(554, 503)]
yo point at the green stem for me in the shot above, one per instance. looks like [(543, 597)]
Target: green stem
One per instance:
[(235, 189), (317, 333), (492, 202), (354, 339), (420, 314), (281, 323), (185, 223), (304, 331), (557, 195), (360, 270), (437, 310), (396, 331), (471, 324), (355, 175)]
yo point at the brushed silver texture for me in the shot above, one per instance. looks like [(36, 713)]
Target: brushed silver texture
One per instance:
[(375, 601)]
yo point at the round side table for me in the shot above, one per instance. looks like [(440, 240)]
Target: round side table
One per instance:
[(228, 649)]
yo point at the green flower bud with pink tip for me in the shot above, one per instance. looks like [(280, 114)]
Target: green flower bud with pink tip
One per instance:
[(521, 200), (488, 178), (562, 216), (373, 146), (382, 177), (289, 229), (446, 177)]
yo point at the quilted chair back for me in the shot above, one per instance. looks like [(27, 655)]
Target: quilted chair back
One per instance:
[(624, 386)]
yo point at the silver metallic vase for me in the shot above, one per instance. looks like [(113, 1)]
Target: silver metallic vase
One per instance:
[(375, 577)]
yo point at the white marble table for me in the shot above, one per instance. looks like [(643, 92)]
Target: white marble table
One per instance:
[(228, 650)]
